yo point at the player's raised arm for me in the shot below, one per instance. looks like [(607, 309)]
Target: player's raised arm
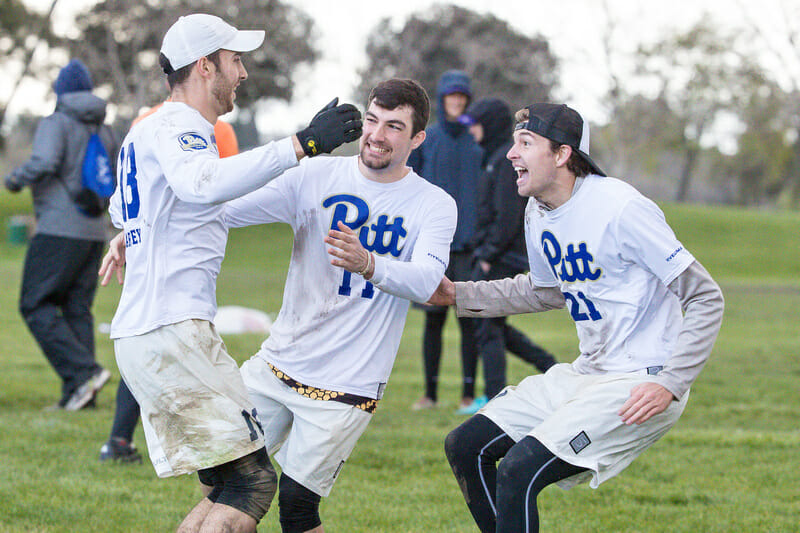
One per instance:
[(209, 179)]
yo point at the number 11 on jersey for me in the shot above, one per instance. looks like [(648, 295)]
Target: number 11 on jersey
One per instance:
[(344, 289)]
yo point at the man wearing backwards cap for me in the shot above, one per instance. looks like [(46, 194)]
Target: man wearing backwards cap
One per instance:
[(646, 313), (169, 204)]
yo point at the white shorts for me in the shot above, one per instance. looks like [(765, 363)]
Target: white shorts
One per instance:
[(575, 417), (194, 405), (311, 439)]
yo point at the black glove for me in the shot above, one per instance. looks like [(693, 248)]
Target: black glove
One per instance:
[(12, 184), (332, 126)]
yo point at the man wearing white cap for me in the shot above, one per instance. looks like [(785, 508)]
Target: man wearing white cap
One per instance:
[(171, 187), (646, 312)]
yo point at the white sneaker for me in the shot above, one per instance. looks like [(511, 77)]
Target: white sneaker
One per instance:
[(87, 391)]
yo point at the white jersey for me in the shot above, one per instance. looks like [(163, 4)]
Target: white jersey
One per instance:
[(335, 330), (168, 203), (612, 254)]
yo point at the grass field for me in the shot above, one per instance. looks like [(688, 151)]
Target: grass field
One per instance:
[(732, 464)]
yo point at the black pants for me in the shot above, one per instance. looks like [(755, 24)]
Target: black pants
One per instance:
[(126, 413), (494, 336), (502, 498), (459, 270), (59, 280)]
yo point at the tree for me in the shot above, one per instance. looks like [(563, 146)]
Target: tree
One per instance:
[(18, 42), (699, 75), (781, 40), (764, 166), (16, 22), (502, 62), (120, 42)]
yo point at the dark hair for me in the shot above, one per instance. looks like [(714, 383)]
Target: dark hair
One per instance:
[(177, 77), (575, 164), (393, 93)]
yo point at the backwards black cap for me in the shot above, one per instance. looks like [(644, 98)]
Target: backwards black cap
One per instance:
[(562, 124)]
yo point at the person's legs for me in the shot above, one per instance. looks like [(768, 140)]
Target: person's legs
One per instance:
[(79, 296), (298, 507), (520, 345), (469, 358), (126, 414), (473, 449), (241, 493), (50, 269), (461, 269), (119, 446), (492, 352), (527, 468), (432, 351)]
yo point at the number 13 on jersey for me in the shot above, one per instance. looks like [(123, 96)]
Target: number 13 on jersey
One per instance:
[(128, 187)]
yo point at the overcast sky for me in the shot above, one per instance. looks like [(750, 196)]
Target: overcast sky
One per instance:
[(571, 26)]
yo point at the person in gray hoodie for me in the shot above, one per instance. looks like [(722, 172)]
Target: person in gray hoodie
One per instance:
[(60, 273)]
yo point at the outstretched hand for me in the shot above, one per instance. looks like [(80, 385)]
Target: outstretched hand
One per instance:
[(445, 293), (646, 400), (114, 261), (349, 252)]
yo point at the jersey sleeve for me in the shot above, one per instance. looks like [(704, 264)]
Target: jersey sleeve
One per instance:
[(47, 152), (196, 173), (275, 202), (417, 279), (115, 202), (646, 238)]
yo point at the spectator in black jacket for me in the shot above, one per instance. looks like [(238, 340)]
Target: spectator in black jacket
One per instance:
[(499, 243), (451, 159)]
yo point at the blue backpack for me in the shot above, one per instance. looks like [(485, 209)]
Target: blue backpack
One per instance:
[(97, 179)]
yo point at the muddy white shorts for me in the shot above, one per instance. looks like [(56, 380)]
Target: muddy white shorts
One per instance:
[(310, 435), (575, 417), (194, 405)]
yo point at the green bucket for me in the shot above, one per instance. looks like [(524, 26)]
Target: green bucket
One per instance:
[(17, 229)]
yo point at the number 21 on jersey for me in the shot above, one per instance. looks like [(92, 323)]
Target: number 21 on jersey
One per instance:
[(581, 308), (128, 187)]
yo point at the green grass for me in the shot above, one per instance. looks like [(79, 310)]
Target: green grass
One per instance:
[(732, 463)]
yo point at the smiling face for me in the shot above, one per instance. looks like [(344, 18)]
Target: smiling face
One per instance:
[(386, 142), (541, 172), (230, 72)]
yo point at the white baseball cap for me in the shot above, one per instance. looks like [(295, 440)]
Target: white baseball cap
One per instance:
[(194, 36)]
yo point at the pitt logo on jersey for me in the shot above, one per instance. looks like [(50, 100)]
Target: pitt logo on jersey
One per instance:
[(574, 265), (387, 237), (192, 142)]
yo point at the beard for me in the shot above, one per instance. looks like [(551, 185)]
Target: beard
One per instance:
[(371, 161), (223, 94)]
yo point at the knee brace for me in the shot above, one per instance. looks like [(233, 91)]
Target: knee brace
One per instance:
[(247, 484), (299, 507)]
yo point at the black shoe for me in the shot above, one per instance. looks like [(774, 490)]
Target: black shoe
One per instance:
[(117, 449)]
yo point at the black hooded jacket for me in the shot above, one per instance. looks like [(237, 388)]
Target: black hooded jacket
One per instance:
[(500, 236)]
